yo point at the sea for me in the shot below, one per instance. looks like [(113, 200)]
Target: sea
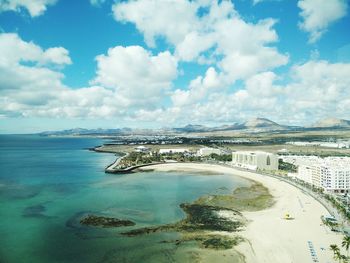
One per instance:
[(47, 184)]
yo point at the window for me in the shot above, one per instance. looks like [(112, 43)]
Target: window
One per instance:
[(268, 161)]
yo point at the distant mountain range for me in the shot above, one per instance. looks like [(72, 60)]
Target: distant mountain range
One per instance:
[(252, 125), (332, 123)]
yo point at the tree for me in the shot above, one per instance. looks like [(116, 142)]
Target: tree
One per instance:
[(344, 258), (346, 243), (336, 252)]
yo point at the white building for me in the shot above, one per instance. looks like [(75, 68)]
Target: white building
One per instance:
[(337, 144), (300, 159), (142, 149), (308, 174), (255, 160), (174, 150), (208, 151), (331, 173)]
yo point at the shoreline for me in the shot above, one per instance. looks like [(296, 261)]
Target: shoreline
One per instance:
[(270, 238)]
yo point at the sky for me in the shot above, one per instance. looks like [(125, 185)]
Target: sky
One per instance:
[(168, 63)]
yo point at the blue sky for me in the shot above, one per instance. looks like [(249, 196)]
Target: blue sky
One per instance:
[(156, 63)]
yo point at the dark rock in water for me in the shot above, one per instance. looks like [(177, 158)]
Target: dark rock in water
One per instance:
[(93, 220), (74, 221), (205, 217), (220, 242), (199, 218), (34, 211)]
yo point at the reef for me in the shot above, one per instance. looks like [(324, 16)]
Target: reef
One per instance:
[(199, 218), (219, 213), (102, 221)]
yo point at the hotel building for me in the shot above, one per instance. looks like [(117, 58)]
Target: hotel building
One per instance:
[(255, 160), (331, 173)]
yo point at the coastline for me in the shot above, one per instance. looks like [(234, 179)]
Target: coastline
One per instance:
[(270, 238)]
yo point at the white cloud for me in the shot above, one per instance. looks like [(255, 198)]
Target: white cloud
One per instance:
[(136, 74), (173, 19), (218, 36), (314, 90), (199, 88), (213, 33), (262, 85), (193, 45), (33, 89), (319, 87), (16, 51), (128, 79), (317, 15), (97, 2), (34, 7), (56, 55)]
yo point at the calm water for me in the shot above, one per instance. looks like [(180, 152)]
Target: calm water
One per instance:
[(47, 184)]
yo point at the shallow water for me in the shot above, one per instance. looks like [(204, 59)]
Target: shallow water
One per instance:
[(47, 184)]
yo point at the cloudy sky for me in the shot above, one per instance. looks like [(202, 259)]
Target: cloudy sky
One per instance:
[(165, 63)]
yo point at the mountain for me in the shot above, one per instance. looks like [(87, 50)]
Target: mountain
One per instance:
[(252, 125), (192, 128), (332, 123), (202, 128), (82, 131), (263, 124)]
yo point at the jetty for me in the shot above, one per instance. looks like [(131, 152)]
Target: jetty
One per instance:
[(112, 169), (115, 168)]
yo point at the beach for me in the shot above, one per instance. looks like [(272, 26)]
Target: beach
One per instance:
[(270, 237)]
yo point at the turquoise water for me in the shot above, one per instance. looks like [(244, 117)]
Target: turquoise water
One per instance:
[(47, 184)]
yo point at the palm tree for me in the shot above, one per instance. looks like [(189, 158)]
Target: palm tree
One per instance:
[(344, 258), (336, 252), (346, 243)]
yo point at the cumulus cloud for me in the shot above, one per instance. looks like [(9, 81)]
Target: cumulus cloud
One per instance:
[(317, 15), (136, 74), (239, 81), (319, 87), (313, 90), (35, 89), (34, 7), (173, 19), (127, 78), (15, 51), (216, 36), (198, 89)]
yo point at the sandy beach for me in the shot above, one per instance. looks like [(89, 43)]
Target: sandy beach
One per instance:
[(271, 237)]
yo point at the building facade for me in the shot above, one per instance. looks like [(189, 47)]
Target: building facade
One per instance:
[(208, 151), (331, 173), (255, 160), (172, 151)]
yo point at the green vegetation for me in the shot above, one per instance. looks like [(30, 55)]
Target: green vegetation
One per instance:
[(205, 217), (253, 198), (331, 224), (288, 167), (220, 242), (346, 243), (214, 213), (336, 251), (199, 218), (221, 158), (342, 208), (93, 220), (211, 241)]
